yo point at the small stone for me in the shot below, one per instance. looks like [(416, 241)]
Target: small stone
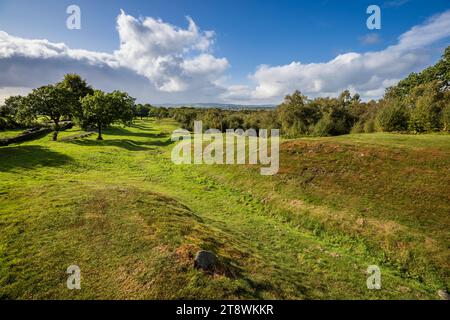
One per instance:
[(361, 222), (335, 254), (443, 294), (206, 260), (404, 289)]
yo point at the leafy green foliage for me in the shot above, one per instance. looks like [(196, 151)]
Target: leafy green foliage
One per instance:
[(446, 118), (159, 113), (142, 110), (393, 117), (423, 97), (77, 89), (9, 111), (51, 101), (186, 117), (416, 104), (297, 116), (102, 109), (213, 119), (428, 105)]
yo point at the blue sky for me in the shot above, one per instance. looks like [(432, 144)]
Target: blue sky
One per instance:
[(288, 37)]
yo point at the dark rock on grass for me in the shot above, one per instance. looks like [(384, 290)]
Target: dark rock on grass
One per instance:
[(206, 261), (211, 264)]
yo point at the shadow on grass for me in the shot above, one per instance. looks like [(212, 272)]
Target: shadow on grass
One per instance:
[(29, 157), (119, 131), (130, 145), (142, 127)]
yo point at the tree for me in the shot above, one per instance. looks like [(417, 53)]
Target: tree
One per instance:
[(142, 110), (78, 89), (439, 72), (186, 117), (443, 70), (10, 106), (365, 113), (336, 119), (446, 118), (393, 117), (10, 111), (102, 109), (51, 101), (345, 98), (213, 119), (234, 121), (297, 115), (427, 107), (160, 112)]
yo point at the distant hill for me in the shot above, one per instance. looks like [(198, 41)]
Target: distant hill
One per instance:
[(216, 105)]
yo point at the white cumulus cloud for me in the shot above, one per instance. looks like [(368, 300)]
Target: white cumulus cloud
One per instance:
[(159, 51), (172, 59), (367, 73), (159, 62)]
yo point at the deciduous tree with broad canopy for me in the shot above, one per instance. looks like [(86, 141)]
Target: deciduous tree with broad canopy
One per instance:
[(52, 101), (77, 89), (102, 109)]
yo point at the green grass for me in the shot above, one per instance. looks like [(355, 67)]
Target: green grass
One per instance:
[(132, 220), (70, 132), (392, 140), (388, 194), (10, 133)]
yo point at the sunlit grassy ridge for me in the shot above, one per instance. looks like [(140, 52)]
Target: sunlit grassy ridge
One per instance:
[(132, 220)]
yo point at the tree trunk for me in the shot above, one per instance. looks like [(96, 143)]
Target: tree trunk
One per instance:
[(55, 133), (99, 132)]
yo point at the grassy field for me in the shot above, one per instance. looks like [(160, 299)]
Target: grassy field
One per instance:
[(133, 221), (10, 133)]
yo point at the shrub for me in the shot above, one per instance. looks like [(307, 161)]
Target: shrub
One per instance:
[(393, 117), (324, 127), (426, 113), (3, 124), (358, 127), (425, 118), (297, 115), (369, 126), (445, 118)]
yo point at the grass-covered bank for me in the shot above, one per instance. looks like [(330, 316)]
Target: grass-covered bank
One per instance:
[(132, 220), (382, 194)]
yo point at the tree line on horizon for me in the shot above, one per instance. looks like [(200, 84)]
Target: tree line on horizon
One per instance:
[(420, 103)]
